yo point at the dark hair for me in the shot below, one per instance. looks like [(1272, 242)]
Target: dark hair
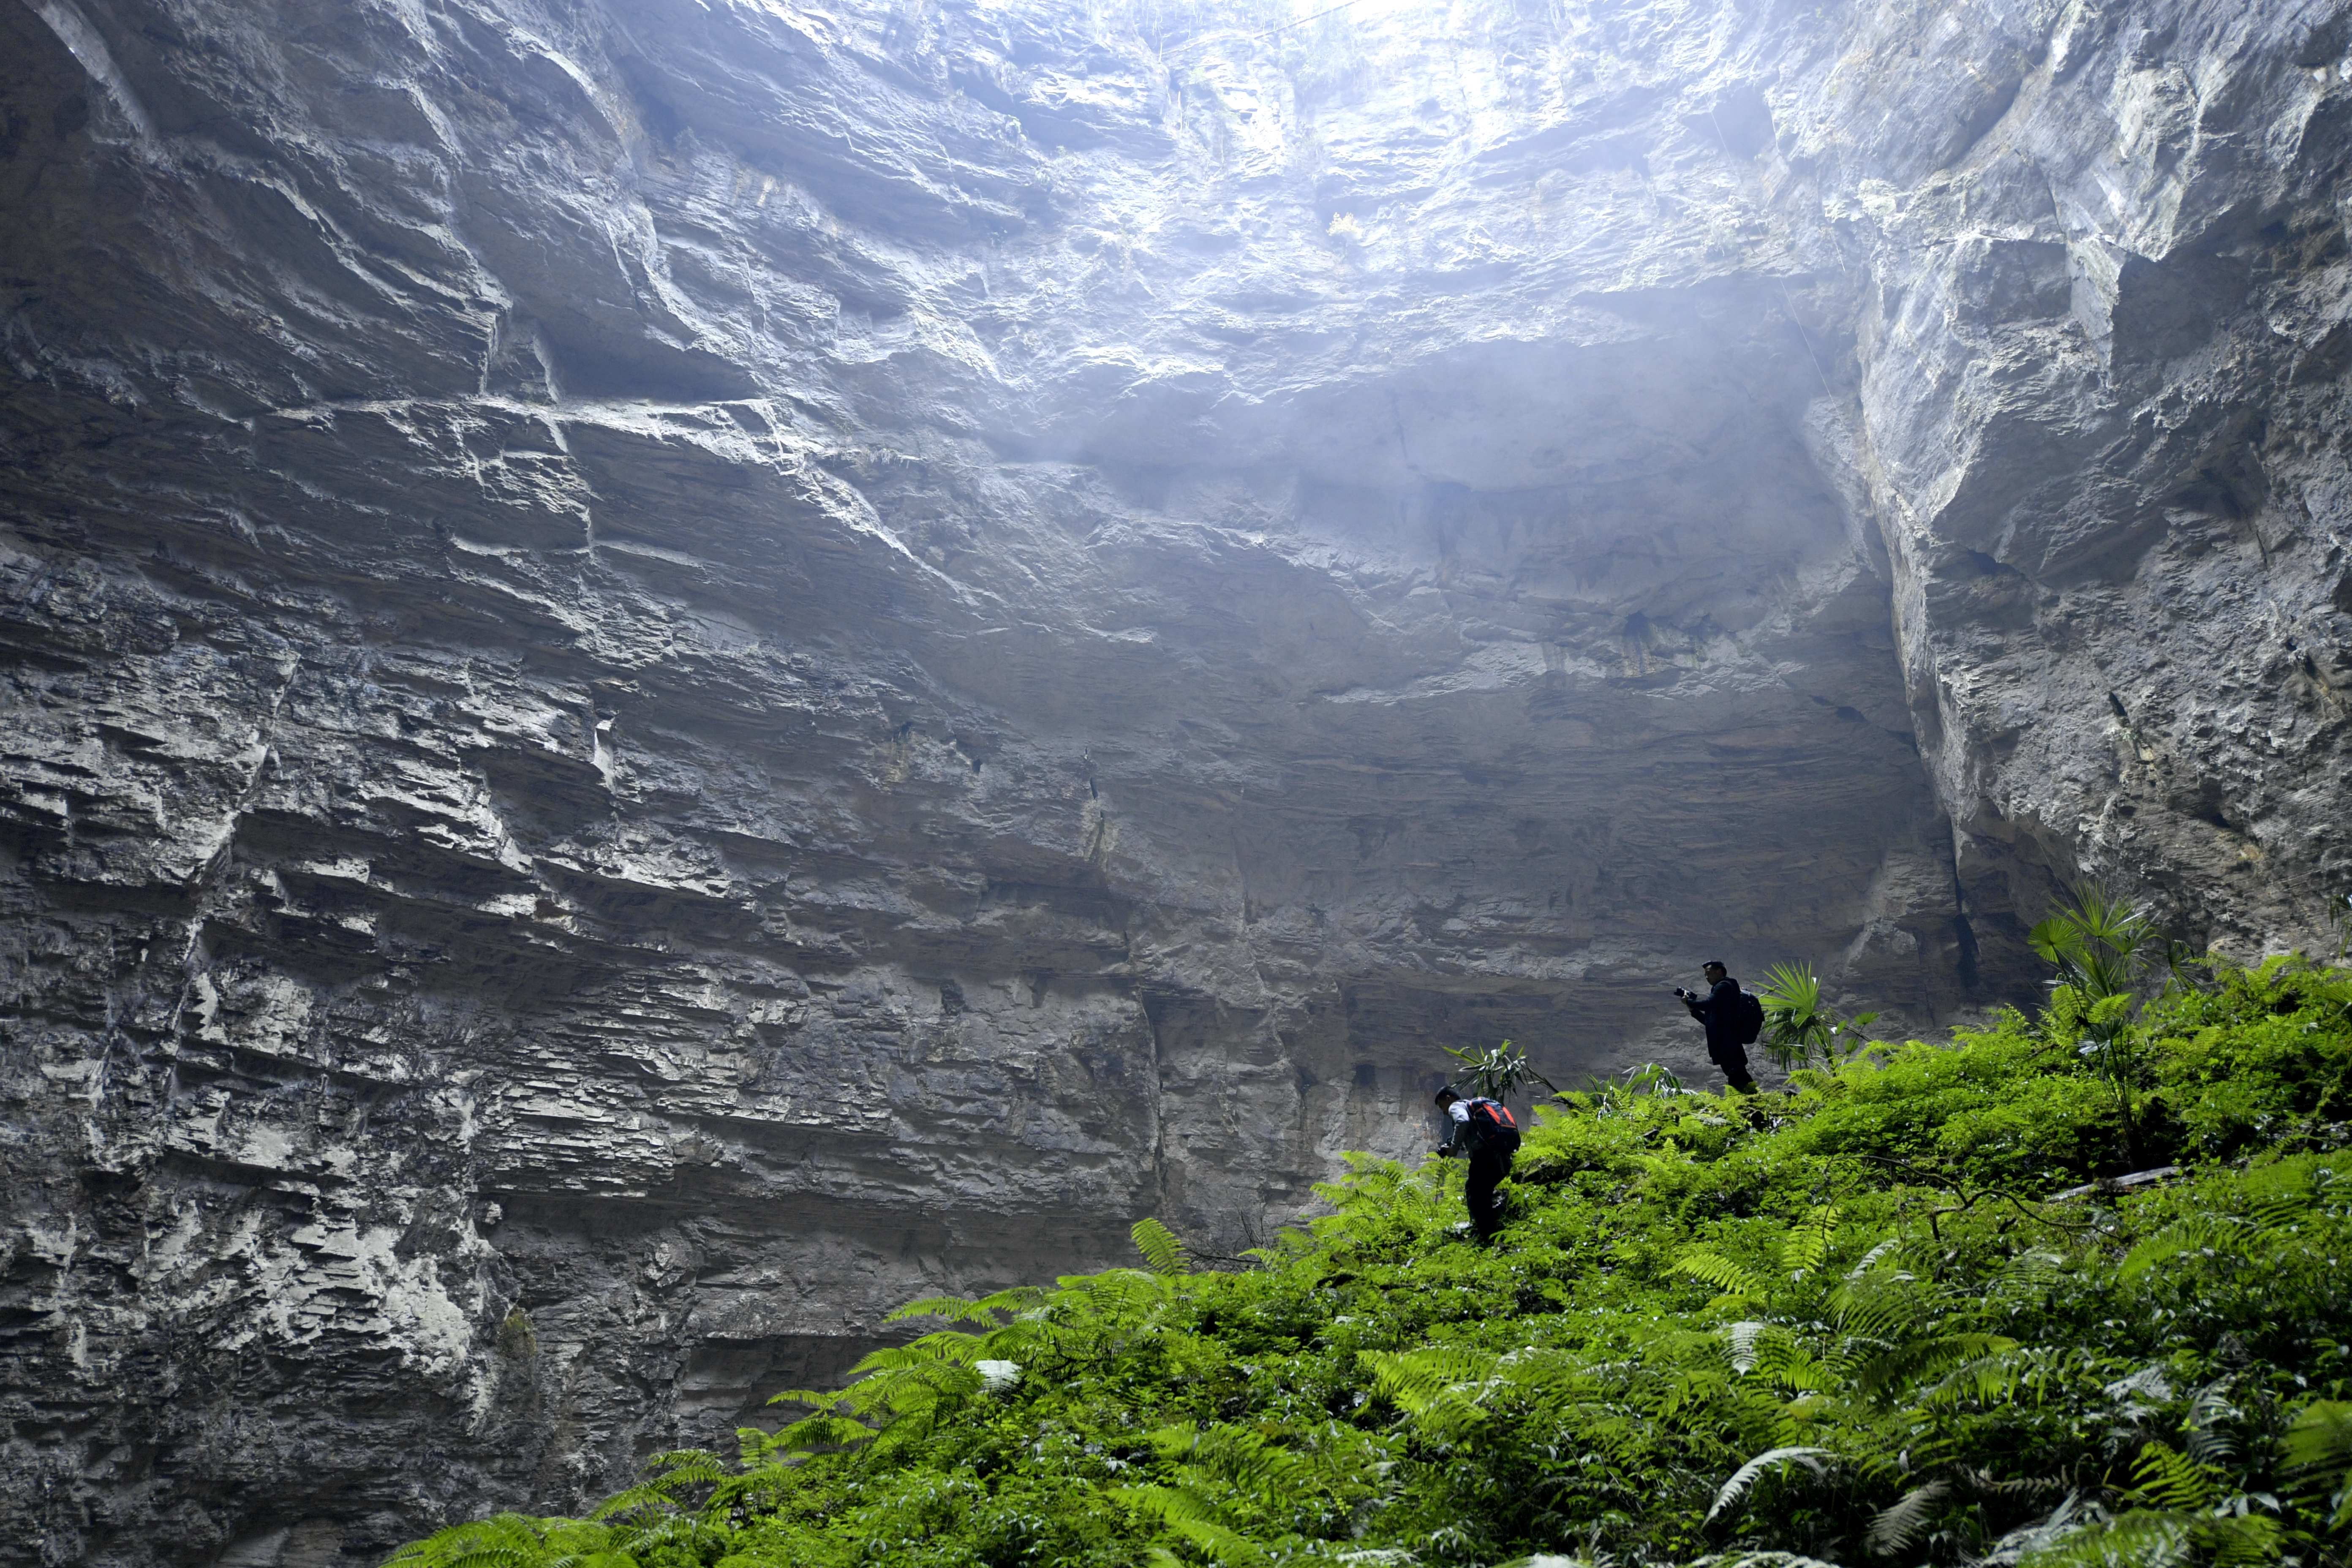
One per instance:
[(1448, 1092), (1716, 964)]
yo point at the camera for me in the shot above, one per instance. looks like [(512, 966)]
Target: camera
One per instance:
[(1685, 995)]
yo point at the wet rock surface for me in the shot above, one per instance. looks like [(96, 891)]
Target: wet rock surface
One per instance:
[(676, 671)]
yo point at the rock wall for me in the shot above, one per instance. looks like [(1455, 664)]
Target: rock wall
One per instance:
[(676, 670)]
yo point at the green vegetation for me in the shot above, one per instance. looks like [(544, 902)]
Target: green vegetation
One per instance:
[(1497, 1073), (1869, 1319), (1799, 1027)]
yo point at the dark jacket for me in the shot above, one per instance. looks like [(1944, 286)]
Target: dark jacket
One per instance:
[(1719, 1011)]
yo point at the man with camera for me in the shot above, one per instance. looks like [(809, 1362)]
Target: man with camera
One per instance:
[(1728, 1014)]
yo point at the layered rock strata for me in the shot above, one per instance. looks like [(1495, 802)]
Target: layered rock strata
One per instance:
[(676, 670)]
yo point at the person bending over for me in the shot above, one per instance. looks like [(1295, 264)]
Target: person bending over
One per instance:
[(1483, 1130)]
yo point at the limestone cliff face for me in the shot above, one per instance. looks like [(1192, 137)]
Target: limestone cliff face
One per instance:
[(678, 669)]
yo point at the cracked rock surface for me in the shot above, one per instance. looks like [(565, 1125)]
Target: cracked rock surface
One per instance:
[(679, 668)]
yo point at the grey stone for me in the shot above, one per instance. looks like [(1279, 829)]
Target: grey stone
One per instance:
[(676, 671)]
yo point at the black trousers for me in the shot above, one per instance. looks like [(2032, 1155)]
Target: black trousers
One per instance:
[(1733, 1059), (1487, 1166)]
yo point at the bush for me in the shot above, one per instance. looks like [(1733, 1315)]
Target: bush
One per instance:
[(1853, 1321)]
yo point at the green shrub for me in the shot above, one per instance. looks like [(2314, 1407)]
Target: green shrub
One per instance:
[(1853, 1321)]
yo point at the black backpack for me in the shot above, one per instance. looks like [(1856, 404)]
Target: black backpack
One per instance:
[(1748, 1018), (1493, 1125)]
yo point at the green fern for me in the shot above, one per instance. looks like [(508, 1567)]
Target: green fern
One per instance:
[(1160, 1247), (2318, 1450), (1710, 1267), (672, 1479), (1196, 1519), (1762, 1465), (2168, 1480), (1898, 1527), (502, 1540), (1969, 1365), (1807, 1244), (1444, 1386)]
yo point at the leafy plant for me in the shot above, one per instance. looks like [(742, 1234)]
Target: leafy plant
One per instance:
[(2100, 946), (1496, 1073), (2100, 943), (1798, 1027)]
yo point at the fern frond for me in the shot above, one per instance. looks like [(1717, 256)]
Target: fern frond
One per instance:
[(1692, 1390), (2204, 1232), (2210, 1441), (502, 1540), (1919, 1361), (2137, 1540), (669, 1475), (815, 1435), (954, 1308), (1875, 1316), (2282, 1202), (1193, 1517), (1782, 1360), (1160, 1247), (681, 1465), (1119, 1292), (815, 1398), (2246, 1540), (2170, 1480), (1018, 1300), (674, 1536), (1808, 1241), (1987, 1380), (1713, 1269), (764, 1481), (490, 1557), (629, 1502), (1771, 1459), (1894, 1530), (1249, 1460), (1874, 1256), (949, 1347), (2319, 1452), (1442, 1385)]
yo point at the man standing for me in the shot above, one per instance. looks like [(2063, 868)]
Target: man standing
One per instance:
[(1484, 1131), (1725, 1012)]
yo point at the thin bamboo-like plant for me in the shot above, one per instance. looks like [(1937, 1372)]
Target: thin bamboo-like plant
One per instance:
[(2101, 947)]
